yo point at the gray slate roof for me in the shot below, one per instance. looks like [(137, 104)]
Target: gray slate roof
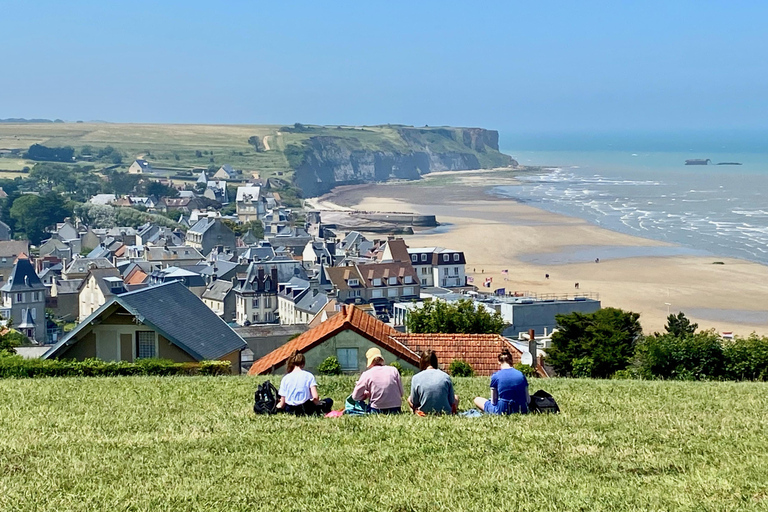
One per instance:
[(218, 290), (177, 314), (23, 278)]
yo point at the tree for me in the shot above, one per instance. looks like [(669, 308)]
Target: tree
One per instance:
[(594, 344), (33, 214), (96, 215), (40, 152), (254, 226), (157, 189), (679, 326), (454, 317)]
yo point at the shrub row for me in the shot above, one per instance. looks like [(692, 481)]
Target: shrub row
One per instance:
[(702, 356), (13, 366)]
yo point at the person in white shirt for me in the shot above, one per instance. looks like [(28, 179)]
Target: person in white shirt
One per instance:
[(298, 390)]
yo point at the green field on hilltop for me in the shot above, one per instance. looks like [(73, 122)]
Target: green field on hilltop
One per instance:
[(192, 443)]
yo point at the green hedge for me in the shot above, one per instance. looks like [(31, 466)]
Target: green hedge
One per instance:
[(13, 366)]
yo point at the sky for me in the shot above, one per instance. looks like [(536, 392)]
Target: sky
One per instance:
[(512, 66)]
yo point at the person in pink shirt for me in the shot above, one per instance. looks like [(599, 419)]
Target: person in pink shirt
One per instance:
[(380, 384)]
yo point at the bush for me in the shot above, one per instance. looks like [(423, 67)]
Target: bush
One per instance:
[(330, 366), (14, 366), (459, 368), (623, 375), (397, 366), (746, 358), (692, 357), (529, 371), (582, 367)]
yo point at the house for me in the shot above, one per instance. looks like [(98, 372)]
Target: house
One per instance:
[(165, 256), (23, 297), (165, 321), (227, 172), (380, 283), (193, 281), (79, 267), (216, 190), (140, 166), (178, 204), (256, 296), (5, 231), (210, 232), (65, 299), (9, 251), (393, 250), (98, 286), (103, 199), (347, 336), (53, 247), (66, 231), (319, 252), (202, 179), (439, 267), (248, 206), (219, 296)]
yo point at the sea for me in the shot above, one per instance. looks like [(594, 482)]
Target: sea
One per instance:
[(638, 183)]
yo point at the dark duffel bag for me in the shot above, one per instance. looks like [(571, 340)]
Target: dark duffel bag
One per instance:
[(543, 402)]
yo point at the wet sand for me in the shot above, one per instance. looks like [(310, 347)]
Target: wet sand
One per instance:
[(637, 274)]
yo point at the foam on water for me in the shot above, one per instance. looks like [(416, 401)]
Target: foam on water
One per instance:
[(715, 209)]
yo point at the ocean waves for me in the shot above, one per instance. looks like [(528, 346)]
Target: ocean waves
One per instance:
[(707, 212)]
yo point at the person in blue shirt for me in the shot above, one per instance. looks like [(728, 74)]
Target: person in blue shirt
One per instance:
[(509, 389)]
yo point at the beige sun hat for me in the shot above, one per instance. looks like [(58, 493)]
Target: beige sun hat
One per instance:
[(372, 355)]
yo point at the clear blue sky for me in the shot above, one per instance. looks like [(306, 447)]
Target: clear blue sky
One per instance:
[(514, 66)]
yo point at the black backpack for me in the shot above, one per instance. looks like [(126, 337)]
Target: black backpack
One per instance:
[(543, 402), (265, 401)]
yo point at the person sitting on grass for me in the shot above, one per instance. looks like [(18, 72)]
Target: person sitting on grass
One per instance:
[(298, 390), (380, 384), (509, 389), (432, 388)]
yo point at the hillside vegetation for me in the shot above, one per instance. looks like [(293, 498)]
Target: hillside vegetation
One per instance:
[(192, 443), (321, 154)]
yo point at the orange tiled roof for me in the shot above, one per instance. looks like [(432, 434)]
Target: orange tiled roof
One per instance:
[(349, 318), (136, 276), (479, 350)]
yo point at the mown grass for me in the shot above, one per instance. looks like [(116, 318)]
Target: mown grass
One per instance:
[(192, 443)]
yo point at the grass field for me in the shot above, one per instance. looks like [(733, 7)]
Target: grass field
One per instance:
[(193, 443)]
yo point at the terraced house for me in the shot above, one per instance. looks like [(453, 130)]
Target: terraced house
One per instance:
[(376, 283)]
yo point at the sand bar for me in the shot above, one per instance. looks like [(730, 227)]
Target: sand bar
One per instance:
[(634, 273)]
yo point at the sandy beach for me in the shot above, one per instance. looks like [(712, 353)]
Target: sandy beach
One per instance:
[(633, 273)]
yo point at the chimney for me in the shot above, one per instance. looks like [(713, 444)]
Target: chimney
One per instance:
[(532, 346)]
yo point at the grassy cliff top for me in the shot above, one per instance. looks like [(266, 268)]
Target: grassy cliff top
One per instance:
[(183, 146), (192, 443)]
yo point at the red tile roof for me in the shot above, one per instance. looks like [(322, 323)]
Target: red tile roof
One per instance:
[(479, 350), (349, 318)]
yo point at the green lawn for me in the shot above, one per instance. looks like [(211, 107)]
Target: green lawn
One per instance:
[(192, 443)]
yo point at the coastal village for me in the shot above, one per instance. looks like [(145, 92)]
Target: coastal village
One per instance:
[(249, 283)]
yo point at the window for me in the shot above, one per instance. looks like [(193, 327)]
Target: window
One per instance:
[(347, 359), (408, 290), (446, 257), (456, 270), (424, 270), (414, 258), (423, 257), (408, 280), (392, 292), (353, 282), (423, 282), (445, 271), (267, 302), (377, 282), (255, 317), (376, 294), (19, 297), (255, 302), (392, 281), (145, 344), (456, 257), (37, 296)]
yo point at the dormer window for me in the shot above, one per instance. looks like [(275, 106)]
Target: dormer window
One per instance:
[(353, 282), (414, 258), (408, 280), (446, 257), (423, 257), (392, 281), (456, 257), (377, 282)]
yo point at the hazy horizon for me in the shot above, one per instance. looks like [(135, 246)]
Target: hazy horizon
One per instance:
[(515, 68)]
